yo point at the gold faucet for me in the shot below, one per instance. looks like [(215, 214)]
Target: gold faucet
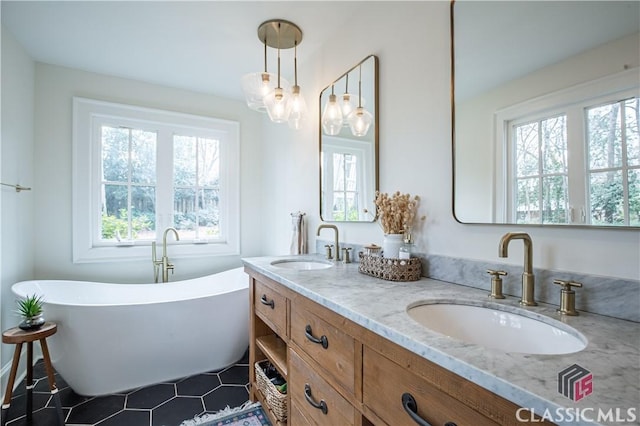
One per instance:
[(337, 247), (528, 279), (164, 262)]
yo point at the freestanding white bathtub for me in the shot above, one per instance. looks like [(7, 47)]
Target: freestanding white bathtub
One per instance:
[(116, 337)]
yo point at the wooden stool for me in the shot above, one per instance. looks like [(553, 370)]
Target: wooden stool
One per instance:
[(18, 337)]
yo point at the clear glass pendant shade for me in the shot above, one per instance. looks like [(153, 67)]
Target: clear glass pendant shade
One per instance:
[(346, 105), (258, 85), (360, 120), (277, 105), (269, 92), (332, 117), (298, 108)]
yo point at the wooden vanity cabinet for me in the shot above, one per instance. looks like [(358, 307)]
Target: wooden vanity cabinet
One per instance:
[(387, 387), (314, 397), (268, 333), (323, 336), (340, 373)]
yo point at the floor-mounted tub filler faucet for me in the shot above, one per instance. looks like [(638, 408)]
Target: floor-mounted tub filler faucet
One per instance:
[(528, 279), (336, 255), (164, 261)]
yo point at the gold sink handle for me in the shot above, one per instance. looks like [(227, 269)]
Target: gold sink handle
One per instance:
[(567, 297), (496, 283)]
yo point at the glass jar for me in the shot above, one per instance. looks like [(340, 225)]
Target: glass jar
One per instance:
[(406, 250)]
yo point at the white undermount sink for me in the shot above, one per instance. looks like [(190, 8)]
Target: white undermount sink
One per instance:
[(498, 327), (301, 265)]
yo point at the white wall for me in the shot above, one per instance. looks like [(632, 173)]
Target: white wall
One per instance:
[(413, 44), (16, 143), (55, 87)]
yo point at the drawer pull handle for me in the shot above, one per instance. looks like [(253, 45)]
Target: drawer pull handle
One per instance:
[(264, 301), (321, 341), (320, 406), (411, 407)]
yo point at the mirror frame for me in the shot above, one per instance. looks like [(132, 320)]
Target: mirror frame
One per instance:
[(376, 136), (453, 158)]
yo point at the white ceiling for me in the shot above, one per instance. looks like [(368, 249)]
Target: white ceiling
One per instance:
[(205, 46)]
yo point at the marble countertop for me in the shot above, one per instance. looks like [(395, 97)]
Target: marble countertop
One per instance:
[(612, 354)]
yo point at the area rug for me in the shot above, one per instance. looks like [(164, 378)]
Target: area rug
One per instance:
[(248, 414)]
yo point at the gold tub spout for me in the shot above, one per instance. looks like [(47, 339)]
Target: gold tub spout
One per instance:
[(164, 261)]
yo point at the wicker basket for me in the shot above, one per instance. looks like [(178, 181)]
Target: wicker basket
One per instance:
[(391, 269), (276, 401)]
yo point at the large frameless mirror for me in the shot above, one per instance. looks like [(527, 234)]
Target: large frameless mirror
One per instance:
[(349, 144), (546, 110)]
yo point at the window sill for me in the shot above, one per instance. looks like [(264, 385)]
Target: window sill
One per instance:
[(133, 252)]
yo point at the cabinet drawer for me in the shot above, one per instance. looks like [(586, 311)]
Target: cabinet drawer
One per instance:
[(315, 400), (326, 344), (384, 384), (271, 306), (296, 417)]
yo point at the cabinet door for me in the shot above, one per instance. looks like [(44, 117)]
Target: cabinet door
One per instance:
[(271, 307), (317, 402), (325, 343), (388, 388)]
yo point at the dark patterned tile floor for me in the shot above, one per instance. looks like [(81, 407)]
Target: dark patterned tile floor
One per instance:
[(161, 404)]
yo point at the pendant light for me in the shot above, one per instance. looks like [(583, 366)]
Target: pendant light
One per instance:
[(345, 102), (276, 101), (360, 119), (332, 116), (297, 105), (257, 85), (266, 91)]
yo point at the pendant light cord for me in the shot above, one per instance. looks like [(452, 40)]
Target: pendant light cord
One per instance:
[(360, 87), (295, 63), (265, 53), (278, 55)]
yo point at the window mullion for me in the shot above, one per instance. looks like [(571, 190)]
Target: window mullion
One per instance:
[(577, 161), (540, 173), (625, 163), (197, 190), (129, 183), (164, 175)]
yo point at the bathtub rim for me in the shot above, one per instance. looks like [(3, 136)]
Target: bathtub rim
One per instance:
[(152, 287)]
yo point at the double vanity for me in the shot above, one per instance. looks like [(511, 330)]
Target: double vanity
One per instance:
[(359, 350)]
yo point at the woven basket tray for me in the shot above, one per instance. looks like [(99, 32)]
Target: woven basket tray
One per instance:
[(391, 269), (276, 401)]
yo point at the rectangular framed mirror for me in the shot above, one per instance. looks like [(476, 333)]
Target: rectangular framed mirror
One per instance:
[(545, 103), (348, 144)]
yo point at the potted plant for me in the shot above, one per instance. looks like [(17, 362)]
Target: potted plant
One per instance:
[(30, 309)]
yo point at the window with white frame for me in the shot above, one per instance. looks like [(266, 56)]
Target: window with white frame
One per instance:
[(138, 171), (574, 156), (541, 171), (344, 173), (613, 147)]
